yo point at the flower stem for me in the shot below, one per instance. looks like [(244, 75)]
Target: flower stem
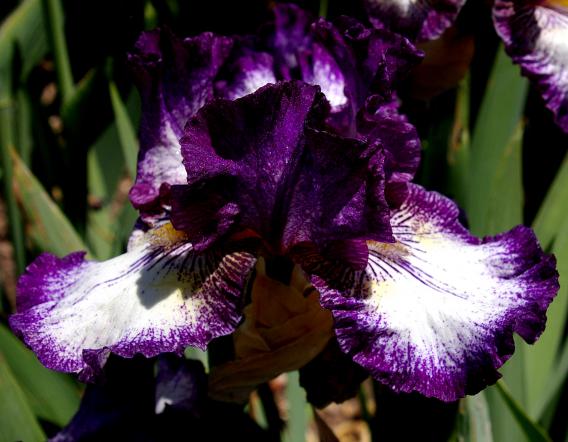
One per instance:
[(275, 422), (323, 8)]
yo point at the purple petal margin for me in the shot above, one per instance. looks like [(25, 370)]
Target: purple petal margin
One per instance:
[(435, 312), (420, 20), (175, 78), (73, 313), (536, 37)]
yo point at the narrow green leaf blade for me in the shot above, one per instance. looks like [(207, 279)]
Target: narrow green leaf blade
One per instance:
[(473, 423), (297, 421), (551, 227), (54, 17), (105, 168), (554, 207), (17, 421), (497, 122), (49, 229), (542, 357), (533, 431), (460, 146), (547, 404), (505, 202), (24, 28), (126, 132), (7, 141), (479, 419), (52, 396)]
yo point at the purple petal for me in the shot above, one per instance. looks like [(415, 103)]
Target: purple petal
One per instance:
[(321, 69), (380, 121), (262, 164), (248, 73), (120, 408), (175, 78), (536, 37), (158, 297), (289, 37), (346, 59), (435, 312), (181, 385), (371, 60), (417, 19)]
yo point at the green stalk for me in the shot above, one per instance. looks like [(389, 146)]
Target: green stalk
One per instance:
[(297, 421), (53, 13), (273, 419), (6, 145), (323, 8), (362, 396)]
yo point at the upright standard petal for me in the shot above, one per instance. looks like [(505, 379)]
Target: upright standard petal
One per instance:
[(536, 37), (175, 78), (435, 312), (418, 19), (262, 164), (158, 297), (381, 122), (246, 74), (346, 59)]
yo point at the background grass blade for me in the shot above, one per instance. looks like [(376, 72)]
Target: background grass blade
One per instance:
[(126, 132), (460, 146), (479, 421), (17, 421), (297, 408), (105, 166), (473, 423), (551, 227), (6, 146), (497, 122), (554, 208), (543, 356), (533, 431), (23, 30), (53, 12), (546, 406), (52, 396), (49, 229)]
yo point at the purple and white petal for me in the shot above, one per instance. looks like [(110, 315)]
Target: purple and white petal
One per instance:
[(381, 121), (346, 59), (158, 297), (435, 312), (289, 36), (535, 34), (248, 73), (322, 70), (417, 19), (175, 78)]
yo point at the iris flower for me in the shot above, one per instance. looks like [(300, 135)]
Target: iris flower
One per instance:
[(275, 174), (535, 34)]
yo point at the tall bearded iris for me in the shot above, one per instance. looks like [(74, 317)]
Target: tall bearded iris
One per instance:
[(416, 300)]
